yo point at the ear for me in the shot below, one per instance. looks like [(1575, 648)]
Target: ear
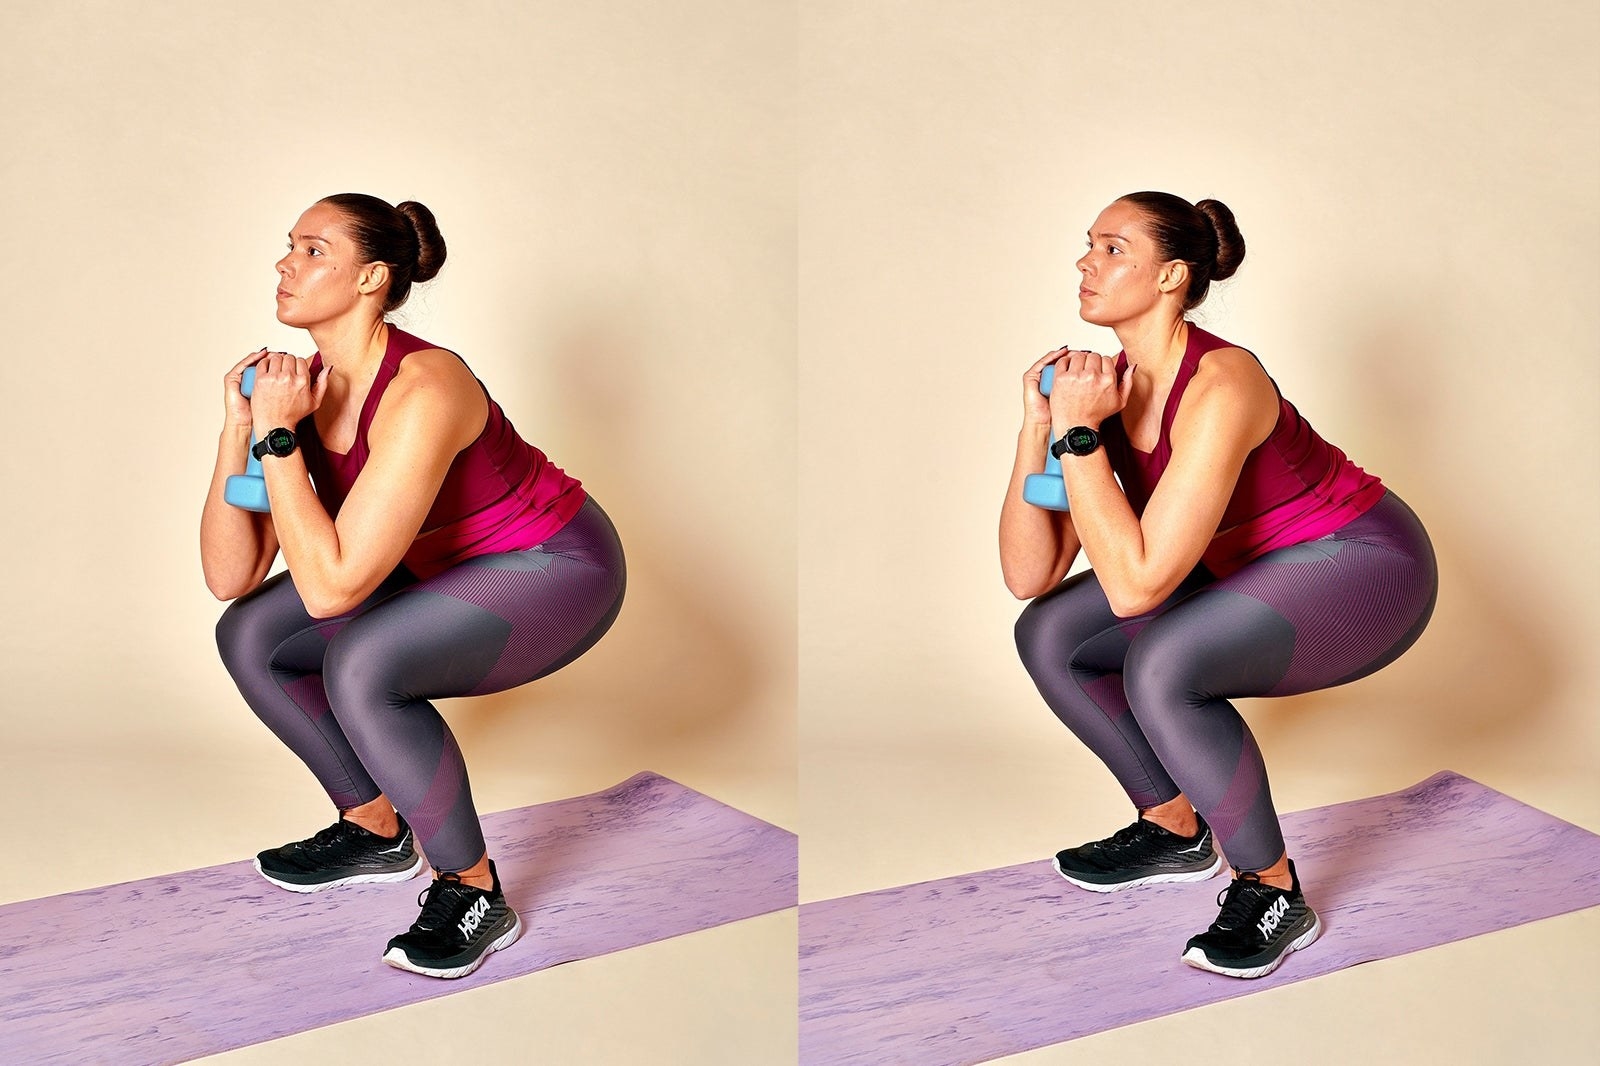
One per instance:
[(1174, 276), (374, 278)]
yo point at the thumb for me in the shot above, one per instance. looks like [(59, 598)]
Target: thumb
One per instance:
[(319, 388), (1125, 386)]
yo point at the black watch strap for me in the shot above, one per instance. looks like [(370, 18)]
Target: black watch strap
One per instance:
[(279, 442)]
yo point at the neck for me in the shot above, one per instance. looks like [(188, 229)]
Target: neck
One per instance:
[(351, 346), (1155, 344)]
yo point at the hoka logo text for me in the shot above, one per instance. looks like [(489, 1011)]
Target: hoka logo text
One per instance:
[(474, 918), (1269, 921)]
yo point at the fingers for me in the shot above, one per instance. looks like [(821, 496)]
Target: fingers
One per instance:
[(247, 362), (282, 366), (1085, 365)]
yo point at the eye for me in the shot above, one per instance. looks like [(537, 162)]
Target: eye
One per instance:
[(1113, 249)]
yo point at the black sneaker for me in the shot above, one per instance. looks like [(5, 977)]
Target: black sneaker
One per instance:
[(1258, 927), (342, 854), (1140, 854), (458, 927)]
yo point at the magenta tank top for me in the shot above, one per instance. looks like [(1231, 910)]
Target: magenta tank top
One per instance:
[(500, 495), (1294, 486)]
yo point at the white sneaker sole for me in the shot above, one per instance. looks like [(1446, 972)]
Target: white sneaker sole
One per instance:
[(355, 879), (398, 959), (1153, 879), (1197, 958)]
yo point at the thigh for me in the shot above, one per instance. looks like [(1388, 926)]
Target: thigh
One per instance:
[(1073, 626), (1303, 618), (485, 625), (269, 627)]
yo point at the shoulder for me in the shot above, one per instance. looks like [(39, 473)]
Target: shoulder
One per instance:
[(1230, 388), (434, 387)]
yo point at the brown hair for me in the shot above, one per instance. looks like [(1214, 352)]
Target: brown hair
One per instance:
[(403, 236), (1203, 235)]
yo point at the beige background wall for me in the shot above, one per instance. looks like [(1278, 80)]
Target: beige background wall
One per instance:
[(650, 208), (615, 183), (1417, 187)]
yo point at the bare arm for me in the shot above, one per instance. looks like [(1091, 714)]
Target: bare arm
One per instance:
[(1229, 408), (1037, 546), (431, 410), (236, 546)]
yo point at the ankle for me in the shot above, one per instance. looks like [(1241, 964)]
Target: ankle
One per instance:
[(1278, 875), (385, 823), (1182, 822)]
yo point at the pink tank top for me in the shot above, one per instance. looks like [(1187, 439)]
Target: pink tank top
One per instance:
[(1294, 486), (500, 495)]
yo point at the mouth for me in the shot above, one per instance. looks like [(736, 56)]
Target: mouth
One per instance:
[(1086, 292), (283, 293)]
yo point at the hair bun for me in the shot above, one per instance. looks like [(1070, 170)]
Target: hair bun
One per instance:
[(430, 243), (1230, 242)]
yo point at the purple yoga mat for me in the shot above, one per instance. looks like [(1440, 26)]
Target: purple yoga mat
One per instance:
[(970, 968), (189, 964)]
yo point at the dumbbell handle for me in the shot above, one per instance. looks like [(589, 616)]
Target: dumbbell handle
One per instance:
[(249, 489), (1047, 489)]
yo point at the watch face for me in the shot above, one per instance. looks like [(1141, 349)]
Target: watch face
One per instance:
[(1081, 440), (280, 442)]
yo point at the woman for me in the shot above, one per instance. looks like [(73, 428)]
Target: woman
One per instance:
[(431, 552), (1242, 555)]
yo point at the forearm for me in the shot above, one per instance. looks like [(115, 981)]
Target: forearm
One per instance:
[(1111, 534), (236, 546), (309, 539), (1037, 546)]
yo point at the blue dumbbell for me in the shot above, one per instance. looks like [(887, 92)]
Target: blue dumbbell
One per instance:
[(1047, 490), (249, 489)]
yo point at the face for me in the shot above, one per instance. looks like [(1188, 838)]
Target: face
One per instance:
[(1123, 274), (321, 277)]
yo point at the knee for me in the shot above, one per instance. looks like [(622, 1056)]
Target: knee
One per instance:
[(241, 639), (357, 678), (1030, 633), (1159, 676)]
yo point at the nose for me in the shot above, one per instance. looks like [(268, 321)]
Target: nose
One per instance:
[(1083, 264), (282, 265)]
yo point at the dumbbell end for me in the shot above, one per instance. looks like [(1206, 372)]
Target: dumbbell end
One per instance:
[(249, 493), (1043, 490)]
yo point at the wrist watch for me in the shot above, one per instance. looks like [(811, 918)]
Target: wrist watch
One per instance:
[(1079, 440), (279, 442)]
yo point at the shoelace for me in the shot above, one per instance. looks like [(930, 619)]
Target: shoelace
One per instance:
[(1125, 838), (1239, 901), (326, 838), (439, 902)]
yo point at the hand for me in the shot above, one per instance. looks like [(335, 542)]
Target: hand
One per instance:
[(284, 392), (1087, 390), (234, 404), (1035, 407)]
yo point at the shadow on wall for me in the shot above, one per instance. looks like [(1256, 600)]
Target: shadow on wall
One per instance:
[(1482, 677), (677, 665)]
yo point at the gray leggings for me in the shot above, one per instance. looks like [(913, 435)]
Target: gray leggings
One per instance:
[(350, 695), (1149, 695)]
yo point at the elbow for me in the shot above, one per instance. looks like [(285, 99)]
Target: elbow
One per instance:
[(1133, 602), (332, 602), (225, 590), (1130, 607), (1025, 590), (323, 608)]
